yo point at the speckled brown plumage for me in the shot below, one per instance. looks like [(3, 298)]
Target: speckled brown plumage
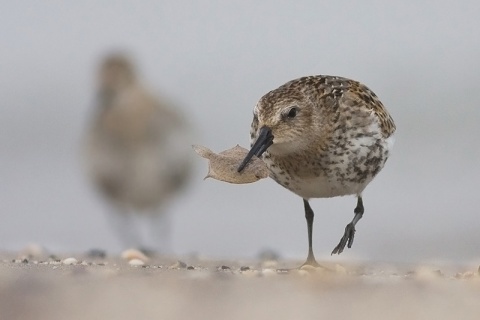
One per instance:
[(137, 149), (331, 137)]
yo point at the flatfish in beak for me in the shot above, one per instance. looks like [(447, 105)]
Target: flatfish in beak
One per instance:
[(224, 165)]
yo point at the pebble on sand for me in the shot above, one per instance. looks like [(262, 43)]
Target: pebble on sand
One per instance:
[(269, 272), (131, 254), (269, 264), (136, 262), (70, 261)]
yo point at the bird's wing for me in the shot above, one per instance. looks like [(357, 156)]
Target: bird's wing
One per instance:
[(360, 96)]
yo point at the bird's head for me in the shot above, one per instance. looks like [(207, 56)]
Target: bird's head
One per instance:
[(116, 72), (282, 120)]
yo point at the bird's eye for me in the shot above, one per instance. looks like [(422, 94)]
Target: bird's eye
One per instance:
[(292, 113)]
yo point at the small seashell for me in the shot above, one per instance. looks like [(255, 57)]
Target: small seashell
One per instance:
[(136, 262), (130, 254), (70, 261), (223, 166), (269, 272)]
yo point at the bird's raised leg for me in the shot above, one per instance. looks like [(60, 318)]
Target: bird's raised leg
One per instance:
[(349, 234), (309, 217)]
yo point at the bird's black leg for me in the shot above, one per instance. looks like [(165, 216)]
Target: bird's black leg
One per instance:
[(349, 234), (309, 217)]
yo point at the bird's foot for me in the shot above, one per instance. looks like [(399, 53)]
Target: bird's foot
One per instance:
[(347, 239), (310, 261)]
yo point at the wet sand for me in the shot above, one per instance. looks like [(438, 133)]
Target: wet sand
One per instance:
[(192, 288)]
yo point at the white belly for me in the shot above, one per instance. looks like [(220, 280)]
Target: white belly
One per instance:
[(332, 175), (322, 187)]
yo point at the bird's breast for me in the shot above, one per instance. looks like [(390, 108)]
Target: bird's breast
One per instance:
[(342, 169)]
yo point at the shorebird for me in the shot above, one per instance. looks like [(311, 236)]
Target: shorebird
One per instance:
[(137, 151), (320, 137)]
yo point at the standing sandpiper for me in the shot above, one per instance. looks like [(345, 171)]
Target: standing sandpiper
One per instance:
[(321, 137), (137, 153)]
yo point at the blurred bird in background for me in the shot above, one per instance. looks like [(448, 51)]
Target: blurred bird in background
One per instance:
[(138, 155)]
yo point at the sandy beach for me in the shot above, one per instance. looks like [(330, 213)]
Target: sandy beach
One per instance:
[(110, 287)]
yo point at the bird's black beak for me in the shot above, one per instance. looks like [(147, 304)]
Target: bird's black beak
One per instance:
[(264, 140)]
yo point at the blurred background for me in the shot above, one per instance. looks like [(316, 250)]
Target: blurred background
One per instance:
[(215, 59)]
